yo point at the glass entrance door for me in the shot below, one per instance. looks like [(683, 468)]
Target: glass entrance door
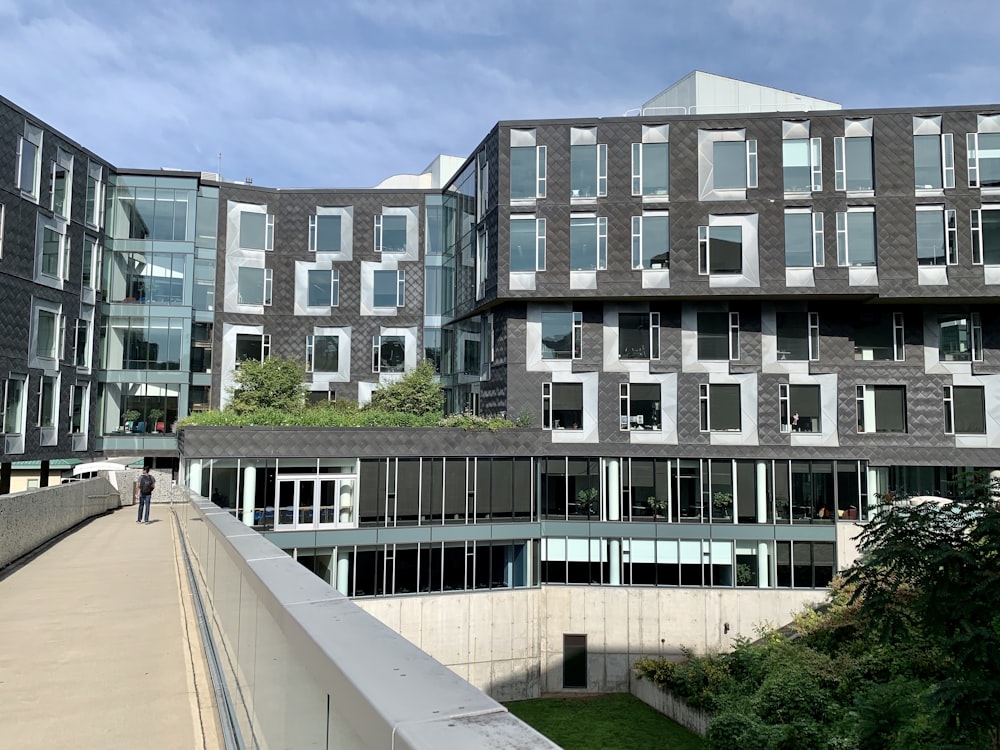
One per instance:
[(315, 502)]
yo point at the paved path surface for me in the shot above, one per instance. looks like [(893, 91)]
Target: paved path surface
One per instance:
[(99, 646)]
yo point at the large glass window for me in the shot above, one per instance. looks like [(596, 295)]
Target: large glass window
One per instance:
[(141, 343), (390, 234), (388, 288), (255, 346), (52, 252), (322, 353), (146, 213), (719, 407), (256, 230), (640, 406), (47, 331), (881, 408), (141, 408), (527, 172), (984, 160), (588, 243), (29, 161), (856, 237), (527, 244), (720, 250), (95, 194), (801, 162), (78, 409), (81, 344), (13, 407), (146, 277), (734, 165), (562, 406), (324, 288), (800, 408), (854, 164), (879, 336), (388, 354), (651, 169), (48, 401), (651, 241), (985, 236), (718, 336), (803, 238), (933, 162), (798, 336), (324, 233), (61, 186), (964, 410), (254, 286), (639, 335), (562, 335), (588, 166), (937, 236), (961, 338)]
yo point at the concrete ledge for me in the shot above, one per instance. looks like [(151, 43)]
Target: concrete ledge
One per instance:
[(30, 519)]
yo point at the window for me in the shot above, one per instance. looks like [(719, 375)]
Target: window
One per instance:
[(144, 343), (961, 338), (48, 330), (390, 233), (527, 167), (254, 286), (588, 243), (562, 406), (799, 407), (95, 195), (640, 406), (719, 407), (802, 165), (937, 236), (718, 336), (388, 288), (720, 250), (256, 230), (984, 160), (562, 335), (964, 410), (81, 344), (255, 346), (29, 162), (881, 408), (879, 337), (61, 184), (588, 167), (651, 169), (54, 254), (48, 401), (482, 185), (933, 161), (388, 354), (856, 237), (734, 165), (322, 353), (798, 336), (91, 263), (803, 238), (527, 244), (324, 233), (146, 213), (324, 288), (1, 228), (639, 335), (148, 277), (986, 236), (651, 241), (434, 225), (853, 164), (13, 406), (482, 262), (79, 397)]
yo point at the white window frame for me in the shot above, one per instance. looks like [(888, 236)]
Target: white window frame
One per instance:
[(600, 240), (705, 250), (47, 361), (87, 344), (311, 351), (864, 394), (268, 231), (377, 351), (54, 379), (265, 346), (972, 145), (638, 160), (314, 233), (482, 262), (482, 185), (35, 136), (84, 412), (400, 288), (577, 340), (625, 405), (950, 218), (334, 300), (843, 236), (541, 157), (95, 262), (705, 407), (64, 161), (267, 289), (637, 236), (898, 337), (95, 182), (19, 414), (949, 410), (59, 228), (976, 231), (815, 150), (840, 164), (601, 178), (539, 240), (818, 249), (379, 221), (947, 147)]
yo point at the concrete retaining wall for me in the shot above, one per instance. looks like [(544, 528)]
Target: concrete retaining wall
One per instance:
[(673, 708), (30, 519), (165, 491)]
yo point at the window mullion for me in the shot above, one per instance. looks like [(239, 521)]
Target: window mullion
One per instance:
[(972, 146), (948, 160)]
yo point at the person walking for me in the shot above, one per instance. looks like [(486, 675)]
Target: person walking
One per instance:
[(147, 483)]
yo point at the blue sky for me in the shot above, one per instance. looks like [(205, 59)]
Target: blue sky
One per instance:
[(344, 93)]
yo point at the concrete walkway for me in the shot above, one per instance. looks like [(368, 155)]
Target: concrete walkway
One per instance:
[(99, 646)]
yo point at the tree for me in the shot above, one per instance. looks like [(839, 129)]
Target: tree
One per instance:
[(275, 383), (932, 571), (417, 392)]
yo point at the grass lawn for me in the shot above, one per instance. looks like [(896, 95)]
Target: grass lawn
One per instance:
[(602, 722)]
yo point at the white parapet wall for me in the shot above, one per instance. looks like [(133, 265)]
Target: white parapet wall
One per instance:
[(30, 519)]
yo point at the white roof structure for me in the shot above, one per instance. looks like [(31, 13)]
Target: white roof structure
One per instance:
[(706, 94)]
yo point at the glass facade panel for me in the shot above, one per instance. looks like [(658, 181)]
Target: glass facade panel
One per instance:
[(583, 171), (861, 238), (931, 247), (655, 169), (523, 172), (328, 233), (795, 165), (989, 160), (523, 245), (729, 165), (927, 162), (798, 240)]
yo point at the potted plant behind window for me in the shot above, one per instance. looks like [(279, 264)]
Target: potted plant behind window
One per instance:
[(722, 506), (656, 506), (586, 500), (131, 415), (156, 417)]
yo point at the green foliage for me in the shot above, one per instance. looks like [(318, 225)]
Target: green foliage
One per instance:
[(272, 383), (525, 419), (472, 422), (733, 730), (417, 392)]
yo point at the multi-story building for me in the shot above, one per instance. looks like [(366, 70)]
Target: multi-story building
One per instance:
[(732, 328)]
